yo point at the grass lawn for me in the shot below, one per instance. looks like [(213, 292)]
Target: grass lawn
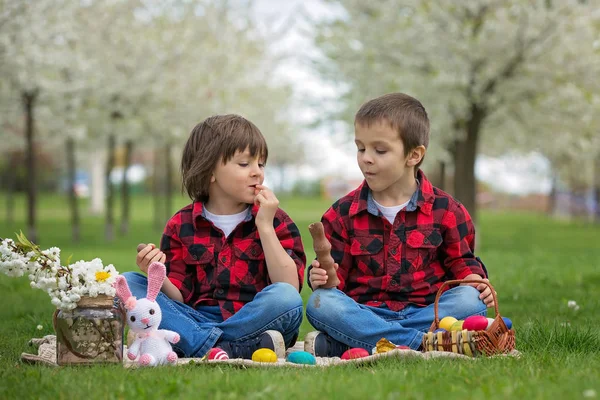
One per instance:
[(535, 264)]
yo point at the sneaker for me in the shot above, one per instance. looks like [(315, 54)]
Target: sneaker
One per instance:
[(321, 344), (245, 348)]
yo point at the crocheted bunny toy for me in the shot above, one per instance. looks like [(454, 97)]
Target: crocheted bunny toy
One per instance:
[(151, 344)]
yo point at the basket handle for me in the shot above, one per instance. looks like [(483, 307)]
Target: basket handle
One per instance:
[(436, 320)]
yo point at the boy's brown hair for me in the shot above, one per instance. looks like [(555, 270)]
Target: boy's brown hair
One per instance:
[(214, 140), (404, 113)]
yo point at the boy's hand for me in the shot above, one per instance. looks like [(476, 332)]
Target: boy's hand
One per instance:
[(147, 255), (485, 291), (318, 276), (268, 203)]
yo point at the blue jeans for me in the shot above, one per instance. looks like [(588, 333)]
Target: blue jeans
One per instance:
[(357, 325), (277, 307)]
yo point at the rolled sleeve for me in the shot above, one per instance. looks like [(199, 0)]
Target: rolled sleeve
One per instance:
[(340, 248), (174, 250)]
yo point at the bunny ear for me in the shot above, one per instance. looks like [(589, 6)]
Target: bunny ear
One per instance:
[(123, 291), (156, 276)]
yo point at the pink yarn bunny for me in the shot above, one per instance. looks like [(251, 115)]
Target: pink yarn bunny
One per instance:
[(151, 344)]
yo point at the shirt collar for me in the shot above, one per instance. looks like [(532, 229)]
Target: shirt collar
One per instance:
[(198, 210), (422, 198)]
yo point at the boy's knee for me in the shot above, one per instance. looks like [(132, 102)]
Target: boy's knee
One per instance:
[(321, 306), (468, 299), (134, 277), (286, 296), (138, 283)]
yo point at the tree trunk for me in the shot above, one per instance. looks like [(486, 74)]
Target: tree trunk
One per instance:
[(29, 99), (552, 196), (110, 163), (10, 188), (597, 189), (125, 198), (465, 153), (442, 172), (97, 182), (168, 182), (573, 200), (156, 185), (75, 226)]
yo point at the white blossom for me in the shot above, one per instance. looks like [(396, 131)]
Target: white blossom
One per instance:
[(573, 305), (64, 284)]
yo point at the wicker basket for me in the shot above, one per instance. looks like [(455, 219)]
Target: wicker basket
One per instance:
[(497, 339)]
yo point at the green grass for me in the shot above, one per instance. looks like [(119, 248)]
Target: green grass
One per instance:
[(536, 265)]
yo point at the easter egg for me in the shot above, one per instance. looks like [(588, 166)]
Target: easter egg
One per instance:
[(217, 354), (490, 322), (264, 355), (475, 323), (354, 353), (457, 326), (401, 347), (446, 322), (508, 322), (301, 357), (440, 330)]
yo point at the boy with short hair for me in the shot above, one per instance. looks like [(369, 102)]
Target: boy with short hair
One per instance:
[(395, 239), (235, 260)]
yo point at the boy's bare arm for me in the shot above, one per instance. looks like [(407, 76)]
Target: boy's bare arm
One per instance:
[(280, 265), (324, 262)]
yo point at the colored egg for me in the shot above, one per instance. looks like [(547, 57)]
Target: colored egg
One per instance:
[(403, 347), (447, 322), (475, 323), (217, 354), (301, 357), (440, 330), (457, 326), (508, 322), (354, 353), (490, 322), (264, 355)]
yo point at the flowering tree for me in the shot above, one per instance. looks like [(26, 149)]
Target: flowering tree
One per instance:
[(141, 76), (467, 62), (34, 46)]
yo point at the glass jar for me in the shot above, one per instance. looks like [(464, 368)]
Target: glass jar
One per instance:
[(91, 333)]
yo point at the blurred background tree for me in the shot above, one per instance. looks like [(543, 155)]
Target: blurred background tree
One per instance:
[(128, 76), (98, 97), (488, 71)]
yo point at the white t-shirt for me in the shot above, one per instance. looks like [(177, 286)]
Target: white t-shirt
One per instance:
[(390, 212), (226, 223)]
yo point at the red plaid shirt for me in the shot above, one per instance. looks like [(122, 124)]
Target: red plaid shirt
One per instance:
[(211, 269), (431, 241)]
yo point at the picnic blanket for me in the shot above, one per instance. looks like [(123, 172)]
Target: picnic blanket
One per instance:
[(46, 355)]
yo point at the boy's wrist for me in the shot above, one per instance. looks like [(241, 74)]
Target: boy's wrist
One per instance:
[(265, 227)]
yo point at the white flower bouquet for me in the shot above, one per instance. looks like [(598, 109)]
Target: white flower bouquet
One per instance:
[(65, 284)]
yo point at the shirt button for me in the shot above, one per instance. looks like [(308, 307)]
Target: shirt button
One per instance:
[(220, 291), (393, 251), (393, 282), (223, 259), (425, 240), (195, 256)]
